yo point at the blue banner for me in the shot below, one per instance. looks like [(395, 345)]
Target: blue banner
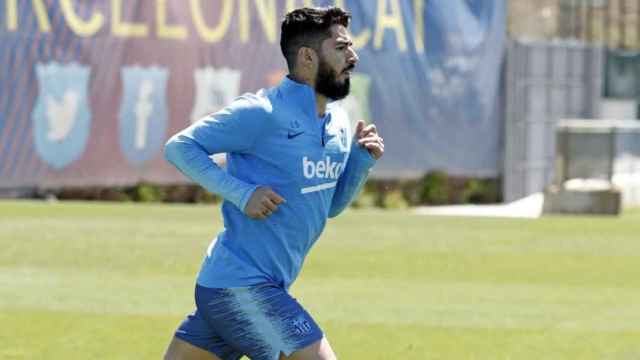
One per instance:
[(89, 91)]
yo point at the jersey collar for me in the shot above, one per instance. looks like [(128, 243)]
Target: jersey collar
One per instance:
[(299, 95)]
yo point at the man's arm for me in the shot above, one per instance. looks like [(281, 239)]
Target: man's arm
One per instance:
[(366, 148), (233, 129)]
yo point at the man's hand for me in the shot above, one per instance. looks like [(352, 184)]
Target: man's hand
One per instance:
[(263, 203), (368, 138)]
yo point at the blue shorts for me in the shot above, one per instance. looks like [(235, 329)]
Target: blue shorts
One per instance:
[(260, 322)]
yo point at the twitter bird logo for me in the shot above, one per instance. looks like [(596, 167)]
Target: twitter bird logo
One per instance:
[(61, 114)]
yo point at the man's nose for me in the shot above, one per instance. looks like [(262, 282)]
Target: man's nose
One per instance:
[(353, 57)]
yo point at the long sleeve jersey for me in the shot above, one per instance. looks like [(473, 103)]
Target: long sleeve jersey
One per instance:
[(272, 138)]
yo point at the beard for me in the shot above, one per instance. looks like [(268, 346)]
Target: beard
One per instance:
[(327, 82)]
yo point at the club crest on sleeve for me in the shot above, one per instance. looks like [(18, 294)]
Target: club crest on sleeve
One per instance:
[(343, 138)]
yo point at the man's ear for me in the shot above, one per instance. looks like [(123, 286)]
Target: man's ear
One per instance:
[(307, 57)]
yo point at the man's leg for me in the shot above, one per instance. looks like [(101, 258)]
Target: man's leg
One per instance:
[(320, 350), (195, 339), (182, 350)]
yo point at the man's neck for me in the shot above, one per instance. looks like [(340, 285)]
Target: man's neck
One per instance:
[(321, 104), (321, 100)]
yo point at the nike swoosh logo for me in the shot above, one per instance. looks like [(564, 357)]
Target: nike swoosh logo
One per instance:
[(293, 135)]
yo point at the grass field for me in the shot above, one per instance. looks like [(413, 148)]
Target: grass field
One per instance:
[(112, 281)]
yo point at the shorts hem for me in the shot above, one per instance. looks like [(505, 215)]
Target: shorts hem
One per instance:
[(310, 340)]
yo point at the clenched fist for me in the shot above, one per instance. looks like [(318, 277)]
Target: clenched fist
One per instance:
[(263, 203), (367, 137)]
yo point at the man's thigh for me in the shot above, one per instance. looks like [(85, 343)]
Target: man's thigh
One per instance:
[(197, 331), (320, 350), (181, 350)]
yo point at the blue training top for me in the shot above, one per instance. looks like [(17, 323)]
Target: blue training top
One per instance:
[(273, 138)]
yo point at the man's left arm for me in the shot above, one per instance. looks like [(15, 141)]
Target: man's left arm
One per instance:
[(366, 148)]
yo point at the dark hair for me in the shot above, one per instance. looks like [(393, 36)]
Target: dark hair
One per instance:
[(308, 27)]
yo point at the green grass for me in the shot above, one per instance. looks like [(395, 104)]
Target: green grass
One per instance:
[(112, 281)]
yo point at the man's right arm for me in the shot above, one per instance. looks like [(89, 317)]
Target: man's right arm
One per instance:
[(233, 129)]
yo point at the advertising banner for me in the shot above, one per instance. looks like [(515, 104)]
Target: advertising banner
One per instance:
[(91, 90)]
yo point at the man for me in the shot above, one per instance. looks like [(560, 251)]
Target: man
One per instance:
[(292, 163)]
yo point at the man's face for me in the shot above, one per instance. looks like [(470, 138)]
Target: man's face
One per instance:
[(336, 61)]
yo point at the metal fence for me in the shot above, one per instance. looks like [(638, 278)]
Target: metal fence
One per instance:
[(544, 83)]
